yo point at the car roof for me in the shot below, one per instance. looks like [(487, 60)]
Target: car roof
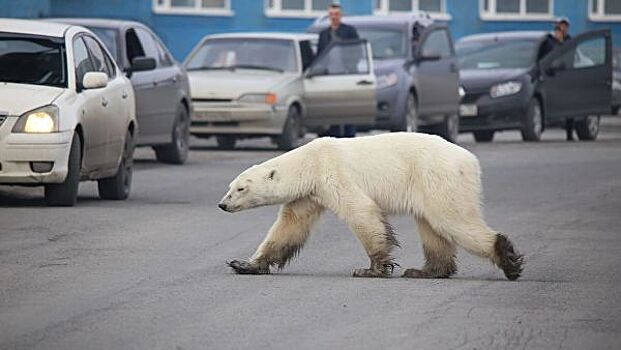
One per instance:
[(265, 35), (34, 27), (96, 22), (510, 35), (395, 19)]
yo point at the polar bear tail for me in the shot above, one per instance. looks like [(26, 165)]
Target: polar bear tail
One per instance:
[(507, 258)]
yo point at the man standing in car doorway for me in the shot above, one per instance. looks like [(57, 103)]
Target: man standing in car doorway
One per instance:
[(563, 25), (337, 31)]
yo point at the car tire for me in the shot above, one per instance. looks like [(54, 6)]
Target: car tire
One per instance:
[(410, 117), (533, 125), (177, 151), (117, 187), (588, 128), (290, 137), (226, 141), (484, 136), (66, 193), (449, 129)]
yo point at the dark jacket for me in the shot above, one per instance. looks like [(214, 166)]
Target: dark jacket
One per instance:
[(549, 44), (344, 31)]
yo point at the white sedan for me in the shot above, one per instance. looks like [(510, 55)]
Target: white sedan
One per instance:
[(67, 113)]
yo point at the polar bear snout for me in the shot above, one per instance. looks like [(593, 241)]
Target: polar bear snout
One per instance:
[(223, 206)]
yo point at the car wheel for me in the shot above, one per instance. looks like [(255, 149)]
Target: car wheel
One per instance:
[(177, 151), (226, 141), (484, 135), (118, 186), (410, 118), (66, 193), (449, 129), (290, 137), (533, 125), (588, 128)]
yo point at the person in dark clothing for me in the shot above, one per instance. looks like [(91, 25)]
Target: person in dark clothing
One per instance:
[(337, 31)]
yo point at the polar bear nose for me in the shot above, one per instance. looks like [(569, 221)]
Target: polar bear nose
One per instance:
[(222, 206)]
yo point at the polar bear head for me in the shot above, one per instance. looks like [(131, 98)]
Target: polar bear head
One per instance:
[(257, 186)]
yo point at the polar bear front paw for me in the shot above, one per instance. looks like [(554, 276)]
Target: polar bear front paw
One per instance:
[(245, 268)]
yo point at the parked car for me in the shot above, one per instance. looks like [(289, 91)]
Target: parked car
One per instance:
[(616, 81), (67, 112), (507, 87), (416, 70), (268, 84), (163, 103)]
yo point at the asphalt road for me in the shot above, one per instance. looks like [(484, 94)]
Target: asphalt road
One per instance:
[(149, 272)]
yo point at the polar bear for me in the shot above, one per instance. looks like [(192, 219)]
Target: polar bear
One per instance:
[(364, 180)]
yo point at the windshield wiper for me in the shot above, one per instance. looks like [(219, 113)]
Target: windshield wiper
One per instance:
[(250, 66)]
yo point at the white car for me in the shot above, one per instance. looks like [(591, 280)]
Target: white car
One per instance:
[(67, 112), (271, 84)]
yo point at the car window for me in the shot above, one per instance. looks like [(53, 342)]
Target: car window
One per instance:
[(98, 56), (437, 43), (496, 54), (82, 61), (164, 58), (343, 58), (133, 46), (386, 43), (109, 37), (148, 44), (588, 53)]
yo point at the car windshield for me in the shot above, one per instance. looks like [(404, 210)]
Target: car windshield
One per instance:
[(386, 43), (492, 54), (109, 37), (33, 60), (265, 54)]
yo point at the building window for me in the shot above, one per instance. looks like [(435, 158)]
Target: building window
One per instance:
[(297, 8), (605, 10), (436, 8), (526, 10), (193, 7)]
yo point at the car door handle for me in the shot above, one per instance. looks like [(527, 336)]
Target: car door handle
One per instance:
[(104, 102), (364, 82), (124, 94), (453, 68)]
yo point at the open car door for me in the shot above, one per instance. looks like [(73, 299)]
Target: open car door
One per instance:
[(339, 86), (577, 77)]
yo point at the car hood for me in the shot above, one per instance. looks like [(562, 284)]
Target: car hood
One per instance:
[(387, 66), (16, 99), (233, 84), (475, 79)]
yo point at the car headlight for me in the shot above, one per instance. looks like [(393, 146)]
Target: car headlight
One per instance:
[(505, 89), (387, 80), (269, 99), (40, 120), (461, 91)]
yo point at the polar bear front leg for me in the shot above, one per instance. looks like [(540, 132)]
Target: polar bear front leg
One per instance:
[(284, 240), (439, 254)]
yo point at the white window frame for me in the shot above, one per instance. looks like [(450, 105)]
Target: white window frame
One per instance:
[(492, 15), (600, 15), (167, 9), (385, 10), (308, 12)]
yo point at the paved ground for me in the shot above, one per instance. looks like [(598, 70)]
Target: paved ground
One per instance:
[(149, 273)]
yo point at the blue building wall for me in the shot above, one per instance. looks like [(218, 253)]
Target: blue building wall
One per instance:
[(182, 32)]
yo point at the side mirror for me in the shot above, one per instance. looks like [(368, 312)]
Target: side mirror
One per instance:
[(94, 80), (314, 71), (428, 56), (141, 64), (555, 67)]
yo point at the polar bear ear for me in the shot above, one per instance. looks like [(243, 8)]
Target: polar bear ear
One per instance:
[(270, 175)]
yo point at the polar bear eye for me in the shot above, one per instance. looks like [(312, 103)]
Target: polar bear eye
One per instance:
[(240, 189)]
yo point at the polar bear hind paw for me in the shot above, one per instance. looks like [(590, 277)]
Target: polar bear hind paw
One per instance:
[(242, 267), (416, 273)]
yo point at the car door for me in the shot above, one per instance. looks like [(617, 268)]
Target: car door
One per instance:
[(576, 78), (436, 72), (339, 86), (114, 97), (92, 110)]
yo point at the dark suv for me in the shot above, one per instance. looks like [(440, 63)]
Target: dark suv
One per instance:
[(161, 86), (416, 70)]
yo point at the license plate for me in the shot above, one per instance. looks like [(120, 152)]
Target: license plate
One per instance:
[(468, 110)]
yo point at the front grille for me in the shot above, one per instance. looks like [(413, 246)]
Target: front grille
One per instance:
[(472, 97), (212, 100), (200, 123)]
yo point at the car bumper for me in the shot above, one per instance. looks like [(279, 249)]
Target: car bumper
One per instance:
[(26, 158), (390, 107), (494, 114), (238, 119)]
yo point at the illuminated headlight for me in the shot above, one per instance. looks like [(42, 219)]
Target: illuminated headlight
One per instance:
[(41, 120), (461, 91), (505, 89), (387, 80), (616, 85), (269, 99)]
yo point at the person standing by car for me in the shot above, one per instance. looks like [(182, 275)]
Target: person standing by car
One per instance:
[(337, 31)]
